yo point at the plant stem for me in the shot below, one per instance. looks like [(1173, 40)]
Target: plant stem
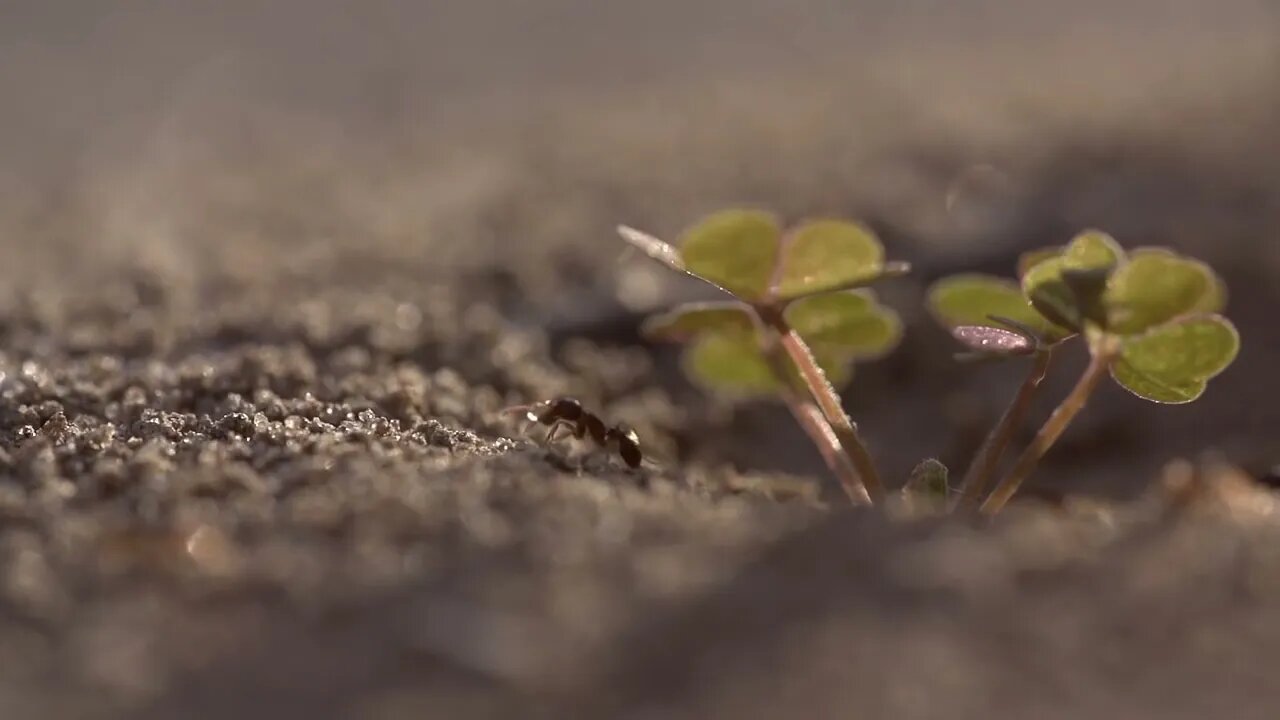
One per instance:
[(828, 401), (812, 421), (988, 456), (816, 426), (1049, 433)]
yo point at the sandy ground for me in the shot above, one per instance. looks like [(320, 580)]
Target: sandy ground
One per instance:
[(271, 272)]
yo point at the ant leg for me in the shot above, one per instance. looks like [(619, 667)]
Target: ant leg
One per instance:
[(554, 433)]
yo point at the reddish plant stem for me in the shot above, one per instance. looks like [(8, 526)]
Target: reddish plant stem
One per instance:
[(978, 476), (1049, 433), (815, 425), (828, 402), (813, 422)]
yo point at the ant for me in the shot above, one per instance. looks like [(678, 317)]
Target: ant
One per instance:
[(565, 412)]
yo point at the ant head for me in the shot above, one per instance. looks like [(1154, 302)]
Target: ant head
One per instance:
[(549, 411), (528, 412)]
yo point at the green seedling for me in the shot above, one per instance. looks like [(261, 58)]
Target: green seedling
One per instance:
[(1149, 319), (927, 491), (799, 318)]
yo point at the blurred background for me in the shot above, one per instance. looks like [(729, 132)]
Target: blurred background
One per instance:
[(491, 147), (181, 178)]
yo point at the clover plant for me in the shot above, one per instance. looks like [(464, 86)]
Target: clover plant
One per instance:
[(799, 316), (1149, 318), (798, 319)]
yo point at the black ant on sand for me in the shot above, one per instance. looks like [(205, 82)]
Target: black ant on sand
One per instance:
[(567, 413)]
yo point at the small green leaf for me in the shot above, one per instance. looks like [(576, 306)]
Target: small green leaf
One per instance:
[(1042, 285), (690, 319), (1093, 249), (1031, 258), (828, 254), (971, 299), (1167, 392), (734, 249), (1173, 363), (1054, 297), (1156, 286), (733, 364), (848, 324), (1087, 288), (928, 479), (926, 491)]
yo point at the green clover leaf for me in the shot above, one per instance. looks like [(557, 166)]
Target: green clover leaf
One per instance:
[(734, 249), (692, 319), (973, 300), (1067, 288), (726, 353), (822, 255), (1156, 286), (743, 252), (846, 323), (730, 363), (1174, 362), (1032, 258), (733, 364)]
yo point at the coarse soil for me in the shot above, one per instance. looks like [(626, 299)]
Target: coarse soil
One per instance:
[(270, 277)]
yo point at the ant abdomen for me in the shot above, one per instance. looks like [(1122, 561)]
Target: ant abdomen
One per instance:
[(628, 444)]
